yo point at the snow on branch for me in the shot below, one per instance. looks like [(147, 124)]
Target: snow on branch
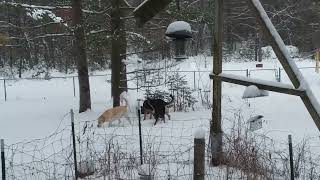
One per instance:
[(50, 7), (98, 31), (138, 36), (27, 27)]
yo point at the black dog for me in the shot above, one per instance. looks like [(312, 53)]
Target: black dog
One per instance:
[(158, 106)]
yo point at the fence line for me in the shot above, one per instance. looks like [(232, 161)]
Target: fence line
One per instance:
[(144, 73)]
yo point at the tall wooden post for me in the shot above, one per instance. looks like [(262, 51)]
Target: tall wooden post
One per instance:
[(215, 126), (317, 58), (116, 52)]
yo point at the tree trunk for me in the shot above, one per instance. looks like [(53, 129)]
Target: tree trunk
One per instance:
[(20, 66), (118, 54), (79, 50), (258, 37), (2, 57)]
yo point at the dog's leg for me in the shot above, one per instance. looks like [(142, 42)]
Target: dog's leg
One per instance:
[(169, 117), (128, 119), (156, 117), (167, 113), (119, 122)]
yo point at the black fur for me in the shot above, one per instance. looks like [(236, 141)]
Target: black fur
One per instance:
[(158, 106)]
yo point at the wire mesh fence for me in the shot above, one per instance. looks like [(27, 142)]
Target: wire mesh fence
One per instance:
[(111, 152), (140, 79), (167, 153)]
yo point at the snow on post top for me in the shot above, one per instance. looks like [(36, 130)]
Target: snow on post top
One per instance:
[(179, 29), (200, 134)]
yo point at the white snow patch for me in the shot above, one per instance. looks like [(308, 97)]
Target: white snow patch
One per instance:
[(200, 133), (253, 91)]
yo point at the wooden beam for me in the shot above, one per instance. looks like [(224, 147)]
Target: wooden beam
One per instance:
[(261, 84), (215, 126), (148, 9), (276, 42), (288, 64)]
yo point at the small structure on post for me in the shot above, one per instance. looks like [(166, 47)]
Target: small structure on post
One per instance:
[(179, 31)]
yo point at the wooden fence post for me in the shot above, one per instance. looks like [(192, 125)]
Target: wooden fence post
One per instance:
[(3, 160), (199, 161), (291, 157)]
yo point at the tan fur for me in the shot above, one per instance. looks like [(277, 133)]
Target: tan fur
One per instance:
[(112, 114)]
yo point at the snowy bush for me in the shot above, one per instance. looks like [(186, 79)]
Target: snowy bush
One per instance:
[(267, 52), (86, 168)]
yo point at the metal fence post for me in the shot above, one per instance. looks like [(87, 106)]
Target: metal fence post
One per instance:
[(291, 157), (5, 90), (247, 72), (3, 160), (74, 145), (137, 81), (194, 79), (199, 162), (279, 75), (74, 87), (140, 136)]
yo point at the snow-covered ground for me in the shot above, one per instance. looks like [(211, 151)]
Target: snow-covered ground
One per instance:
[(39, 109)]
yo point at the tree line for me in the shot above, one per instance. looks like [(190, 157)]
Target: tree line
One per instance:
[(86, 35)]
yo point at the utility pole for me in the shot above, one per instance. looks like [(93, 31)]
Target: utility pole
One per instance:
[(215, 125)]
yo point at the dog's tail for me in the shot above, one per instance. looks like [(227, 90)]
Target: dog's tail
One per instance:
[(171, 101)]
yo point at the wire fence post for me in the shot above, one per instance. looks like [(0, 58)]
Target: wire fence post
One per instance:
[(194, 79), (140, 136), (137, 81), (3, 160), (279, 75), (199, 162), (74, 87), (291, 157), (74, 145), (5, 90)]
